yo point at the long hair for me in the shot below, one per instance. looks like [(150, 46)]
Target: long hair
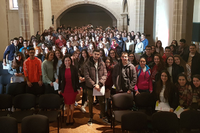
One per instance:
[(134, 60), (82, 58), (16, 63), (160, 48), (182, 63), (168, 85), (167, 65), (182, 75), (116, 56), (55, 62), (161, 64), (63, 60)]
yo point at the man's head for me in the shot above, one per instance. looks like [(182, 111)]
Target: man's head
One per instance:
[(167, 51), (124, 58), (60, 37), (25, 44), (148, 50), (71, 38), (118, 36), (182, 42), (49, 36), (192, 48), (68, 43), (96, 54), (31, 52), (15, 42), (35, 42), (143, 36)]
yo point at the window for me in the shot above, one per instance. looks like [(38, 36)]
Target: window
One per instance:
[(13, 4)]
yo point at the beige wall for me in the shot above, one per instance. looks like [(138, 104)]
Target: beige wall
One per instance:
[(3, 26), (47, 12), (196, 17)]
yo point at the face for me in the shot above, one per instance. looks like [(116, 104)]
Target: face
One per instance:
[(31, 53), (64, 50), (164, 77), (131, 57), (196, 82), (172, 48), (60, 37), (167, 52), (84, 54), (181, 44), (15, 42), (107, 63), (96, 55), (101, 53), (46, 50), (124, 58), (156, 60), (18, 57), (112, 54), (51, 56), (153, 49), (100, 45), (181, 80), (148, 50), (75, 48), (177, 60), (142, 62), (170, 61), (192, 49), (54, 48), (67, 62), (25, 44), (138, 40), (158, 44), (57, 54), (68, 44), (91, 46), (142, 37)]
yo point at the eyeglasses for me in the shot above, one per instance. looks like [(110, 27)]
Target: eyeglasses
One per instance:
[(124, 57), (148, 49)]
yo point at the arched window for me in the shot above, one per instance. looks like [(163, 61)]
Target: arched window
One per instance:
[(13, 4)]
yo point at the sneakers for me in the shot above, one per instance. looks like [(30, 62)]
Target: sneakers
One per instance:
[(89, 122), (83, 109), (76, 103), (106, 120)]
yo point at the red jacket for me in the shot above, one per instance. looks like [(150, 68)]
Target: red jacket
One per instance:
[(144, 81), (60, 43)]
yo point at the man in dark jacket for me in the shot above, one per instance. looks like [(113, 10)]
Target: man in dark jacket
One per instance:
[(10, 51), (95, 77), (183, 48), (148, 55), (124, 75), (193, 59)]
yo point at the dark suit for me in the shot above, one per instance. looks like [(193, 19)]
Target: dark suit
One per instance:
[(74, 78)]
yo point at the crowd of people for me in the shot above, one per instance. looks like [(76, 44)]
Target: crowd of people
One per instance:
[(92, 58)]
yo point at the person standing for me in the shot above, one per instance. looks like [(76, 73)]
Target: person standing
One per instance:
[(95, 77), (33, 74), (124, 75), (68, 86)]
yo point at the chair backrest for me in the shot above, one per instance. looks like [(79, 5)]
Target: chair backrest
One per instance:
[(134, 121), (3, 71), (5, 79), (165, 121), (35, 124), (14, 89), (190, 119), (24, 101), (8, 125), (142, 99), (1, 88), (122, 101), (5, 101), (49, 101)]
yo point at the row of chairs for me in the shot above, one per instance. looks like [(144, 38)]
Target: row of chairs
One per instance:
[(25, 105), (30, 124), (161, 121)]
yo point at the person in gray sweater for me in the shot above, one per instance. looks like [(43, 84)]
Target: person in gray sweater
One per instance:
[(48, 73)]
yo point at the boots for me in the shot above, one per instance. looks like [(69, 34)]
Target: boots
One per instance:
[(83, 107)]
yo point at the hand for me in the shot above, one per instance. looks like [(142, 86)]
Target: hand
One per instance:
[(171, 110), (83, 79), (51, 83), (59, 92), (137, 92), (16, 74), (4, 63), (20, 74), (56, 81), (97, 86), (29, 84), (40, 83), (129, 92)]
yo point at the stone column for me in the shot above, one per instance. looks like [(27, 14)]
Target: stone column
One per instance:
[(41, 21), (47, 13), (136, 14), (26, 18), (183, 17), (124, 23)]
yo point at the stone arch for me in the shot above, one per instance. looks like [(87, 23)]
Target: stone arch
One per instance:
[(110, 12)]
